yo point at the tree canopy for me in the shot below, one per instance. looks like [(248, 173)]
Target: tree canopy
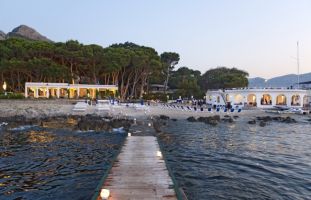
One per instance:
[(129, 66), (186, 82), (222, 77)]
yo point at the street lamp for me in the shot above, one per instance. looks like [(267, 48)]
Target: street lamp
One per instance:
[(4, 87)]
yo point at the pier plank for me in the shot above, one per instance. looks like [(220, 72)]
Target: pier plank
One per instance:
[(139, 173)]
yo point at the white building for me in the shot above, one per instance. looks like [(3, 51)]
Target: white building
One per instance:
[(262, 98), (65, 90)]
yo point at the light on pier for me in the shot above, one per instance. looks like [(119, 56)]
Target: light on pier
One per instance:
[(104, 194)]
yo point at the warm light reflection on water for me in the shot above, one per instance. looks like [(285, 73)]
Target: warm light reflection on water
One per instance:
[(40, 136), (41, 163)]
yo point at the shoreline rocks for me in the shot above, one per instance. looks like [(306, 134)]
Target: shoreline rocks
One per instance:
[(212, 120), (72, 122), (264, 120)]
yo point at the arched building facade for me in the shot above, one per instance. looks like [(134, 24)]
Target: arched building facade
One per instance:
[(262, 98)]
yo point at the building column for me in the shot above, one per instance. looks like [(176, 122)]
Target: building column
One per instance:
[(301, 97), (36, 93), (47, 92), (78, 93), (258, 99), (58, 92), (273, 98), (288, 100), (26, 92), (69, 93)]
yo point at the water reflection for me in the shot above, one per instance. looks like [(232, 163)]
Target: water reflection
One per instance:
[(45, 163), (40, 137)]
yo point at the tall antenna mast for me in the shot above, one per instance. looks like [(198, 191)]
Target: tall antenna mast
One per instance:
[(298, 64)]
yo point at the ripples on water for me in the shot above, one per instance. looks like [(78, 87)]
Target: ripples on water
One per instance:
[(39, 163), (240, 161)]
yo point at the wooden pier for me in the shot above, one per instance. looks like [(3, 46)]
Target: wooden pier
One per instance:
[(139, 172)]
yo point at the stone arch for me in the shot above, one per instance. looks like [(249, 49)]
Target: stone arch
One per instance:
[(31, 92), (238, 99), (281, 100), (295, 101), (266, 99), (251, 100)]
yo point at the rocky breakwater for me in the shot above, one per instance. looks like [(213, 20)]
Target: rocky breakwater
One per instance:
[(212, 120), (159, 122), (94, 122), (71, 122), (264, 120)]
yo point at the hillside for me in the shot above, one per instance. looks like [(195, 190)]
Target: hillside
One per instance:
[(280, 81), (2, 35), (25, 32)]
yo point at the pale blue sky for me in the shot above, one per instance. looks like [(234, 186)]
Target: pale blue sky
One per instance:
[(256, 35)]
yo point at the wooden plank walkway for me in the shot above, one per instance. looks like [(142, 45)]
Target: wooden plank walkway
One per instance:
[(139, 173)]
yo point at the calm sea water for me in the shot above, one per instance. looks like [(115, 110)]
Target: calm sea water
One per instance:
[(240, 161), (39, 163), (227, 161)]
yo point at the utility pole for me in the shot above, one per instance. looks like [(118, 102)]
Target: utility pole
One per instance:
[(298, 78)]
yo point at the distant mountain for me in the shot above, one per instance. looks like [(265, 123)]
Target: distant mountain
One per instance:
[(2, 35), (27, 32), (280, 81)]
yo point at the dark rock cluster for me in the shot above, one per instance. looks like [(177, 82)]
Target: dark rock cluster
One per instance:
[(212, 120), (94, 122), (164, 117), (263, 120), (74, 122), (191, 119)]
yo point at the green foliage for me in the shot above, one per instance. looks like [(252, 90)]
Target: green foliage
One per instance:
[(170, 59), (12, 96), (185, 81), (129, 66), (222, 77)]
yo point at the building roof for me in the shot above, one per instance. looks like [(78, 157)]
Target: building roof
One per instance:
[(305, 82), (67, 85)]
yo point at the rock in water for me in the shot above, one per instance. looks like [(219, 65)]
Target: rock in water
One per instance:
[(164, 117), (262, 124), (289, 120), (26, 32), (191, 119), (227, 119), (265, 118), (213, 120), (252, 122)]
